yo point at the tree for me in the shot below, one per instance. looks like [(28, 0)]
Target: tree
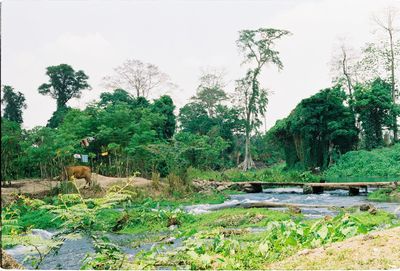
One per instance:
[(15, 102), (317, 131), (58, 116), (388, 25), (381, 59), (258, 49), (165, 107), (137, 77), (374, 105), (64, 84), (11, 137), (117, 96), (210, 92), (344, 69)]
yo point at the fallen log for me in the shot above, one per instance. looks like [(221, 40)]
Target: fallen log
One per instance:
[(268, 204)]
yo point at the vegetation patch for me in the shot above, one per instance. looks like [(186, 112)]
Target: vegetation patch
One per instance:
[(385, 195), (276, 173), (218, 249), (382, 162)]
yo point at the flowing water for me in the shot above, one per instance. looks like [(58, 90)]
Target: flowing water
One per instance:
[(334, 198), (73, 252)]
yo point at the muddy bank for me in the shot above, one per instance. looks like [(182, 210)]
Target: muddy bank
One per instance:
[(38, 187)]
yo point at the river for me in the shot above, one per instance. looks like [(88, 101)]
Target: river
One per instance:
[(72, 252)]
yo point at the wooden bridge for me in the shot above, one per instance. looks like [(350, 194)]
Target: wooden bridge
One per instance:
[(317, 188)]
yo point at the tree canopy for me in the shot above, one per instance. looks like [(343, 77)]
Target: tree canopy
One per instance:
[(64, 83), (14, 103)]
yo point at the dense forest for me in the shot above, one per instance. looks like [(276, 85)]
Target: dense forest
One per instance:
[(124, 132)]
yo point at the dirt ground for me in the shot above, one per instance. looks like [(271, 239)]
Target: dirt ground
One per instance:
[(38, 186), (376, 250)]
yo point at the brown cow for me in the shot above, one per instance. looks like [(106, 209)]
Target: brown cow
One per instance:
[(79, 172)]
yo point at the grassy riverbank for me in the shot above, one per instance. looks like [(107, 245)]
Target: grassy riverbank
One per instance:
[(230, 238)]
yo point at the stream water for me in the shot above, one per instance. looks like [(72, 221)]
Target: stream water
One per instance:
[(334, 198), (72, 252)]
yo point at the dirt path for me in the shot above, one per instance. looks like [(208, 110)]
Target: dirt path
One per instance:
[(38, 186), (376, 250)]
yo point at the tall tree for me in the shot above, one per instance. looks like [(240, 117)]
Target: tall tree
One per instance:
[(381, 59), (64, 83), (387, 23), (137, 77), (258, 49), (14, 103)]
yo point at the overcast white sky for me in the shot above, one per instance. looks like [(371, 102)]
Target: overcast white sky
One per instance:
[(181, 37)]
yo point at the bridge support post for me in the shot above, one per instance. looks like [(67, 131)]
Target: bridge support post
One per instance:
[(252, 188), (354, 191), (307, 189), (317, 189)]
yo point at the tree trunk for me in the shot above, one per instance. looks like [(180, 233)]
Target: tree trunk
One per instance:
[(248, 162), (395, 128)]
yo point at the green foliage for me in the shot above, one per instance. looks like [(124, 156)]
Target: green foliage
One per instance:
[(11, 137), (64, 83), (257, 47), (267, 149), (58, 116), (210, 92), (377, 163), (164, 106), (224, 122), (276, 173), (116, 97), (317, 131), (385, 195), (202, 151), (221, 249), (25, 214), (107, 256), (373, 103), (14, 103)]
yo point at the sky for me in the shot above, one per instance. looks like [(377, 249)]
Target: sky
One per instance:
[(181, 38)]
